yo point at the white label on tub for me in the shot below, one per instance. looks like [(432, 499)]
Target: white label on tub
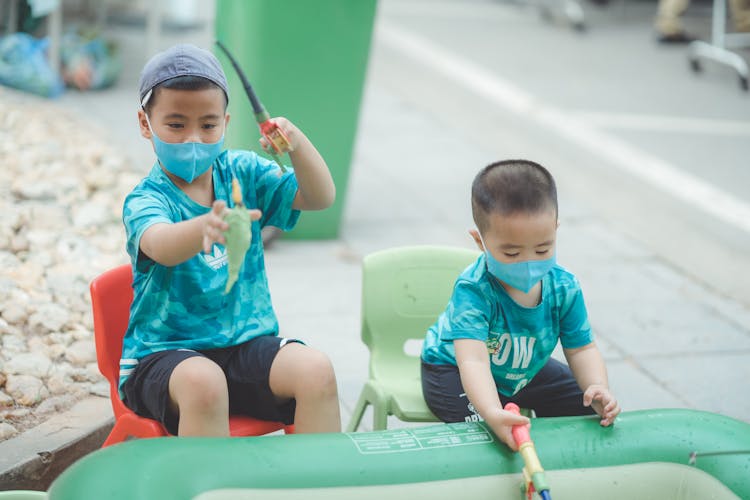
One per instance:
[(421, 438)]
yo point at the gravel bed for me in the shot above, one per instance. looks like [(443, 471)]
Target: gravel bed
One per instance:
[(61, 193)]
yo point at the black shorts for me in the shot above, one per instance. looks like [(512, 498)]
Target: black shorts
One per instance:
[(247, 367), (553, 392)]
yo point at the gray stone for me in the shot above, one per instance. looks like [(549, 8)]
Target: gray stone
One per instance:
[(34, 190), (64, 279), (5, 399), (60, 382), (80, 332), (100, 388), (17, 413), (19, 243), (55, 404), (59, 338), (13, 344), (7, 431), (81, 352), (14, 312), (26, 390), (49, 318), (91, 214), (48, 216), (8, 260), (35, 364)]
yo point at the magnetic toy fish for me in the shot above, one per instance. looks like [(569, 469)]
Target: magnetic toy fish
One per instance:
[(238, 236)]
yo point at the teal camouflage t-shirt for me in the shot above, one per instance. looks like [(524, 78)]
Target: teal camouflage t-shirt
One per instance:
[(184, 307), (519, 340)]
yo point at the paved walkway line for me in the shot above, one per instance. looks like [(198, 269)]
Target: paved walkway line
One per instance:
[(658, 173), (665, 124)]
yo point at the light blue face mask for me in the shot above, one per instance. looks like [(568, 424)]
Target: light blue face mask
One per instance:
[(186, 160), (520, 275)]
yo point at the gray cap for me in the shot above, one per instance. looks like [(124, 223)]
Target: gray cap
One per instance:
[(181, 60)]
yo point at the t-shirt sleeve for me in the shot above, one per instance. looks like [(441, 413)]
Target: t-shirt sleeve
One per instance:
[(275, 194), (467, 315), (142, 210), (575, 330)]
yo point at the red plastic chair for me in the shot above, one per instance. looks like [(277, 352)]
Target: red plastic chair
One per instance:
[(111, 295)]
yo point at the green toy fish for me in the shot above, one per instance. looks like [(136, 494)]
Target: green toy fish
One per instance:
[(238, 236)]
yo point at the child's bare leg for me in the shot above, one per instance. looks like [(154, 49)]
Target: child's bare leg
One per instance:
[(198, 391), (302, 373)]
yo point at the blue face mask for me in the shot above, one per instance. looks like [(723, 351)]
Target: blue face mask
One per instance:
[(186, 160), (520, 275)]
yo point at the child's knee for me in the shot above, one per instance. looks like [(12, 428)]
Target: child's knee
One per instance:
[(319, 373), (300, 371), (198, 381)]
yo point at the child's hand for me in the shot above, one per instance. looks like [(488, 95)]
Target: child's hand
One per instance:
[(603, 403), (502, 424), (289, 129), (215, 225)]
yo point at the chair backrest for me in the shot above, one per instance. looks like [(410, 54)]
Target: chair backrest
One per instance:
[(404, 290), (111, 296)]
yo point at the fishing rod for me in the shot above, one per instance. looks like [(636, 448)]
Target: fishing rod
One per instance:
[(533, 473), (276, 137)]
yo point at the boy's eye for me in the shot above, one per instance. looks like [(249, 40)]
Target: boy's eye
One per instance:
[(175, 125), (209, 126), (507, 254), (542, 252)]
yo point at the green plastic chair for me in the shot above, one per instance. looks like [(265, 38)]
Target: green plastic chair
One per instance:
[(404, 290)]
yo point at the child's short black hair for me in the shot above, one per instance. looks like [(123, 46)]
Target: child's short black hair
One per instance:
[(511, 186), (188, 82)]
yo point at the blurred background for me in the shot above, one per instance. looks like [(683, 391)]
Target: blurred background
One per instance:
[(648, 138), (588, 87)]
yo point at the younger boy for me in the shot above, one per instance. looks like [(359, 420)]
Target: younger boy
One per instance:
[(492, 345), (193, 354)]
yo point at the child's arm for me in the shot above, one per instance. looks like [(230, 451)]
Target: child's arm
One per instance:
[(476, 378), (316, 188), (172, 244), (589, 370)]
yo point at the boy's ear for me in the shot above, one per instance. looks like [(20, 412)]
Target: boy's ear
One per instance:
[(475, 235), (143, 124)]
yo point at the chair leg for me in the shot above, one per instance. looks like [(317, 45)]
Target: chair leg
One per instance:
[(130, 425), (379, 416), (359, 410), (118, 434)]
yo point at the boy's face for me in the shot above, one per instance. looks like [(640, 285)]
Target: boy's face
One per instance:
[(186, 116), (519, 237)]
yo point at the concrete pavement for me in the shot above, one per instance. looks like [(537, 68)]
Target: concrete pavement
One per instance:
[(669, 339)]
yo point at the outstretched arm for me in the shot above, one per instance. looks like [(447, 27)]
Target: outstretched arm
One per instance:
[(172, 244), (589, 370), (476, 378)]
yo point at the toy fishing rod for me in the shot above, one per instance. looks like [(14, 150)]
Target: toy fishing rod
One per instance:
[(533, 473), (278, 141)]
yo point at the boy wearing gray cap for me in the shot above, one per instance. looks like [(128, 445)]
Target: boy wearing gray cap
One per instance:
[(193, 354)]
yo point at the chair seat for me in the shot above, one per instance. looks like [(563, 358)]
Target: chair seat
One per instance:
[(406, 401), (240, 425)]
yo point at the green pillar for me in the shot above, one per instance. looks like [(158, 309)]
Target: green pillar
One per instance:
[(306, 60)]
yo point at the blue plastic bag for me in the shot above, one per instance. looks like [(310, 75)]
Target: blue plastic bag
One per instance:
[(89, 61), (24, 65)]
